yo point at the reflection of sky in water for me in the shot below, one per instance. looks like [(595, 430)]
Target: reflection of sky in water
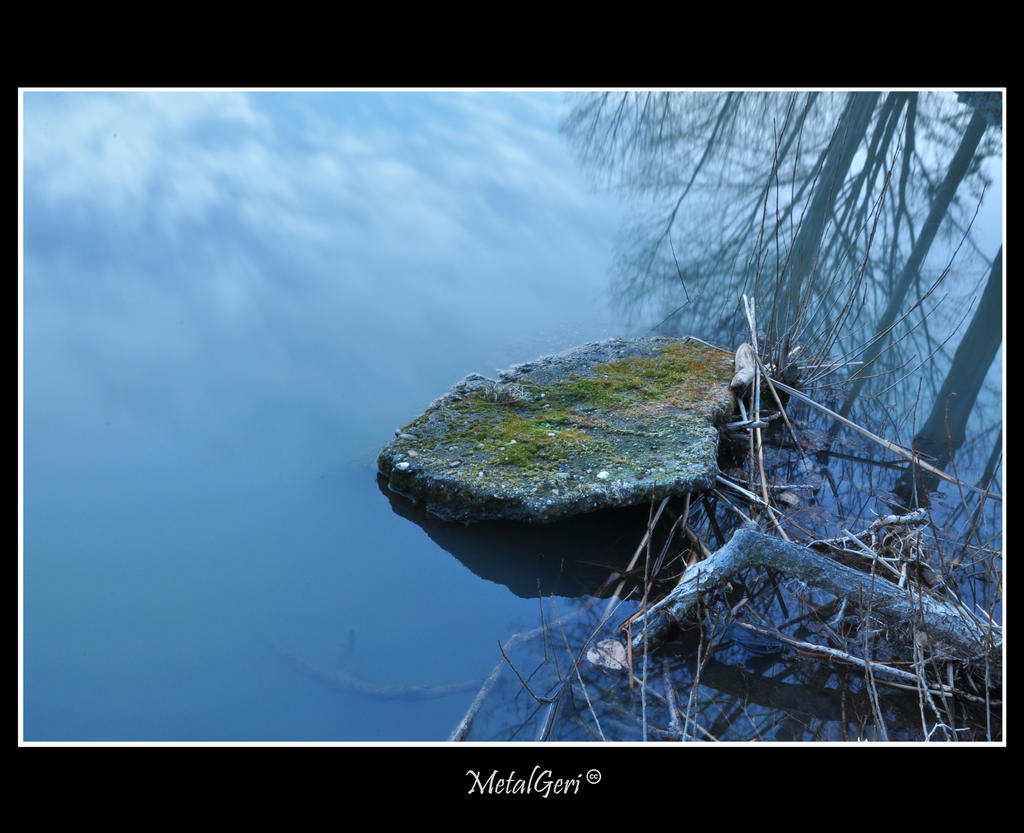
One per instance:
[(230, 300)]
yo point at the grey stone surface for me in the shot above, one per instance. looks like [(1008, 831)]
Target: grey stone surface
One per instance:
[(611, 423)]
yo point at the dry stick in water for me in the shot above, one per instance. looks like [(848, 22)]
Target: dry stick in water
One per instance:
[(555, 701), (522, 682), (845, 656), (869, 676), (756, 401), (462, 730), (647, 568), (778, 401), (736, 487), (756, 416), (924, 694), (670, 696), (576, 667), (636, 555), (895, 449)]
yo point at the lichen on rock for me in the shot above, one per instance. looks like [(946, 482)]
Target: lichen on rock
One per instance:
[(611, 423)]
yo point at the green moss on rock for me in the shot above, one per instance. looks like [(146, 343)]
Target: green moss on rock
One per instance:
[(606, 424)]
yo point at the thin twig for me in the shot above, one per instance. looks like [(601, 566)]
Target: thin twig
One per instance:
[(913, 457), (845, 656), (462, 730), (636, 555), (541, 700), (670, 696), (735, 486)]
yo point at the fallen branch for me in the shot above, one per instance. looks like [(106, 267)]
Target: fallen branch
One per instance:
[(962, 634)]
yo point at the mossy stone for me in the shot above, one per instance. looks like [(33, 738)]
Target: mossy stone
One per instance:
[(611, 423)]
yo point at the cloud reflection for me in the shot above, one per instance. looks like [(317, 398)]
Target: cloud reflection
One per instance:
[(170, 237)]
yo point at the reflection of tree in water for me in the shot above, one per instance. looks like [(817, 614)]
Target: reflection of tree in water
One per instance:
[(846, 217), (779, 195)]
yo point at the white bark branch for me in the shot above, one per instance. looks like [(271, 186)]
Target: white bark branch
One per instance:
[(944, 621)]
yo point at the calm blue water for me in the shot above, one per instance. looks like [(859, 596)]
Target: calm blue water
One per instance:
[(230, 302)]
